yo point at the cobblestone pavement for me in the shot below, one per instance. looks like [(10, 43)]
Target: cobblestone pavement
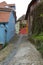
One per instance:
[(24, 54), (9, 48)]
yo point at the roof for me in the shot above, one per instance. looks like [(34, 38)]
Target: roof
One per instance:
[(3, 4), (21, 18), (11, 4), (4, 17), (6, 9), (28, 9), (5, 12)]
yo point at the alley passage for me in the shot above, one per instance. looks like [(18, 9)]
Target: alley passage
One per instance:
[(24, 54)]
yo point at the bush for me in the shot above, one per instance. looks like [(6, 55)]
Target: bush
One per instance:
[(37, 40)]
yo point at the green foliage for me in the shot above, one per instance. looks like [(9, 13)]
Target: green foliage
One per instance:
[(37, 40), (39, 37), (22, 25), (37, 24)]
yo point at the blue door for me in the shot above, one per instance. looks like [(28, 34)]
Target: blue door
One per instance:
[(5, 35)]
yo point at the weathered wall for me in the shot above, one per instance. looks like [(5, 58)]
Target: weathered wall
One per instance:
[(17, 27), (2, 34), (37, 25)]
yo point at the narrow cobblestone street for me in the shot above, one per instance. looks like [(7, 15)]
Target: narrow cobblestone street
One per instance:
[(21, 32), (24, 54)]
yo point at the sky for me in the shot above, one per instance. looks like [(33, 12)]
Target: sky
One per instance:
[(21, 6)]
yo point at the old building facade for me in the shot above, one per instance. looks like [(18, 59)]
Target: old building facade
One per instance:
[(7, 22), (29, 17)]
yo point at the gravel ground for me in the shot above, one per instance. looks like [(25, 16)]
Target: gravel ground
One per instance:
[(24, 54)]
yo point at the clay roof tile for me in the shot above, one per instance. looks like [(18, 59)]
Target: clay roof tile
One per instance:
[(4, 17)]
